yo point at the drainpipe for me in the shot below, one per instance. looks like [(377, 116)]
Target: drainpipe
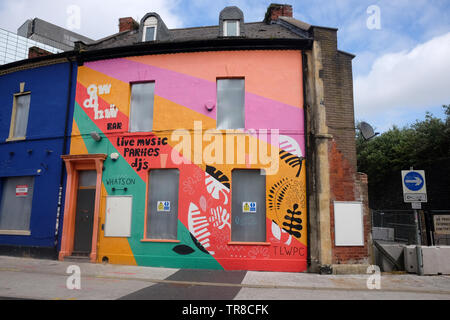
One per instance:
[(306, 155), (66, 125)]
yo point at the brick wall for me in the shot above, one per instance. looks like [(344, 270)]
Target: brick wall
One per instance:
[(127, 24), (338, 87), (345, 183), (348, 185), (277, 10), (35, 52)]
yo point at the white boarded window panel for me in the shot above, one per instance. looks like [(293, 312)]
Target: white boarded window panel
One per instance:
[(348, 224), (118, 216)]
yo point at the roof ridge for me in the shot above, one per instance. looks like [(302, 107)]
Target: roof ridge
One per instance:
[(214, 26)]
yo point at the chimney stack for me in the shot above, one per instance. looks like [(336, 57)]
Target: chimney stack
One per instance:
[(35, 52), (128, 24), (277, 10)]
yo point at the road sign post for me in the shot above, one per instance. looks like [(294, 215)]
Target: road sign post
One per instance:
[(415, 192)]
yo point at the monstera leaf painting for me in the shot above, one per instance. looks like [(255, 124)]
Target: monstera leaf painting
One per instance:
[(217, 183), (199, 227)]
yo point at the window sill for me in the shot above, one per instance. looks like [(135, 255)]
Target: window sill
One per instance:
[(15, 139), (241, 243), (161, 240), (15, 232)]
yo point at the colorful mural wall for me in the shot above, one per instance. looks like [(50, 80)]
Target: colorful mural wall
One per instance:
[(184, 136)]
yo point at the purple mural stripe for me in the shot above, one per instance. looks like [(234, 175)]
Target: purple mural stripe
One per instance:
[(263, 113), (194, 93), (182, 89)]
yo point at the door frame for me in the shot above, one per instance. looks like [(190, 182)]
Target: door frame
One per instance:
[(74, 164)]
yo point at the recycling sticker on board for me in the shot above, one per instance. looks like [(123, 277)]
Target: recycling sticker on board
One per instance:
[(249, 207), (163, 206)]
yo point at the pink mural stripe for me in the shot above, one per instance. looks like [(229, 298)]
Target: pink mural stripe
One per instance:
[(194, 93)]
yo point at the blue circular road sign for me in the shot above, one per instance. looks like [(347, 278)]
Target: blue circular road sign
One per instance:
[(414, 181)]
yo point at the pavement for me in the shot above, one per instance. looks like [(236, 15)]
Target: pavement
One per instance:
[(24, 278)]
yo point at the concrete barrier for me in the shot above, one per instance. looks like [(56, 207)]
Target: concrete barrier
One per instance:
[(396, 251), (436, 260)]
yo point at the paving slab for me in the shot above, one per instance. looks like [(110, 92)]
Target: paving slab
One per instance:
[(48, 279)]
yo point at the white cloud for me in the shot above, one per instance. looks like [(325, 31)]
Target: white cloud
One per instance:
[(412, 80)]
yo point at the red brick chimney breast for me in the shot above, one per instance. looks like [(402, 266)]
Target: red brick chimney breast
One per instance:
[(127, 24), (274, 11), (35, 52)]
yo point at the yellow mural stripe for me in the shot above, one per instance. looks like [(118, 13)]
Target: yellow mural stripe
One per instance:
[(168, 115), (77, 145)]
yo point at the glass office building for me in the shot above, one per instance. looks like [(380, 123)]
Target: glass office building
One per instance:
[(15, 48)]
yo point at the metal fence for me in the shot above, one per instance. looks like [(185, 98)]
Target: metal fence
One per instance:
[(15, 48), (394, 226), (398, 226)]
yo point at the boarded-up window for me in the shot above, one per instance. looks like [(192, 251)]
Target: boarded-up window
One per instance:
[(19, 121), (230, 103), (162, 211), (16, 203), (248, 206), (141, 107)]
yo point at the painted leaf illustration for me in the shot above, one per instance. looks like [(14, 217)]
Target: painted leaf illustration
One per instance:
[(198, 226), (292, 160), (294, 226), (199, 245), (219, 176), (183, 249), (289, 144), (276, 231), (289, 240), (217, 183), (277, 194)]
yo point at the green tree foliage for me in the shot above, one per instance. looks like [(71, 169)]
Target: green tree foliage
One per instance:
[(422, 145)]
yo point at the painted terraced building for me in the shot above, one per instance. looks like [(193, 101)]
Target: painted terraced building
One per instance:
[(224, 147)]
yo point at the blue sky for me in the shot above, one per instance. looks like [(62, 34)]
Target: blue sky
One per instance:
[(402, 68)]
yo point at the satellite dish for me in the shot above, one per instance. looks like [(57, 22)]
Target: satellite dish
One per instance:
[(367, 131)]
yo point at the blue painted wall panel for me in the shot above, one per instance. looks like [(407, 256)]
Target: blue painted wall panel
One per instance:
[(40, 154)]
